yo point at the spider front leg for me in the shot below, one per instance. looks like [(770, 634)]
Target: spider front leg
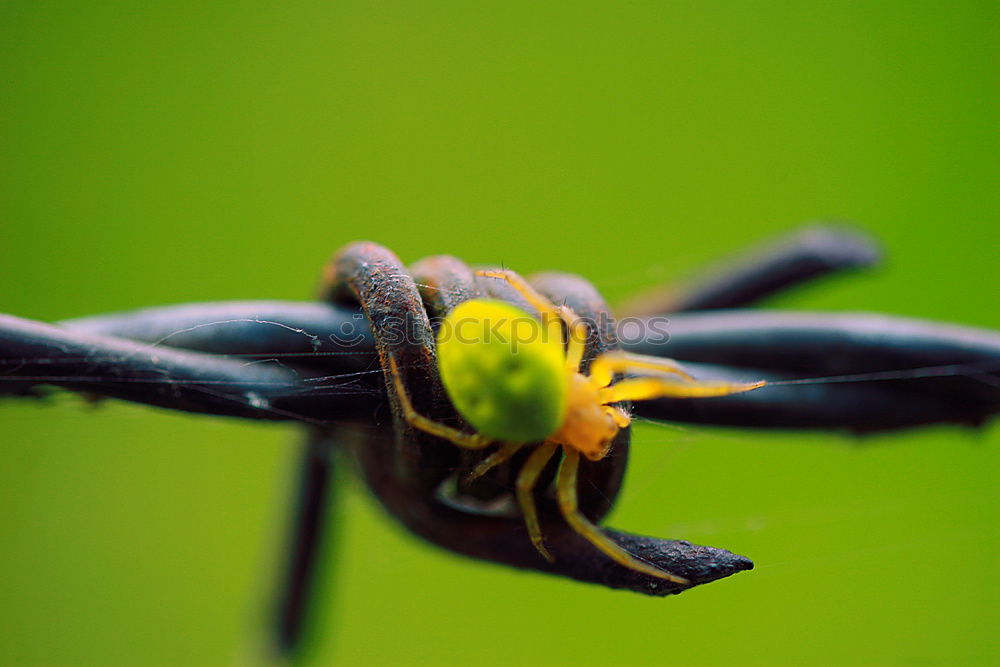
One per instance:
[(566, 490), (576, 332), (648, 386), (645, 388), (418, 421), (538, 302), (604, 367)]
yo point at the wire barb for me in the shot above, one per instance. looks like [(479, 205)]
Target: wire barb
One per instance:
[(323, 364)]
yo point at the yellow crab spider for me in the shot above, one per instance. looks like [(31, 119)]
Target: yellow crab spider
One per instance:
[(514, 379)]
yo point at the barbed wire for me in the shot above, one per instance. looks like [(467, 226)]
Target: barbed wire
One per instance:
[(321, 364)]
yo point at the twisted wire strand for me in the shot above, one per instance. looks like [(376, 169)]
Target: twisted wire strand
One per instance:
[(408, 472), (322, 364)]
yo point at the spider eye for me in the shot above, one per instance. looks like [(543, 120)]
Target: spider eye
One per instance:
[(503, 370)]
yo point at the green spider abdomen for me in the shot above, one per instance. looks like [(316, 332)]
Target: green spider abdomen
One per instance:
[(504, 371)]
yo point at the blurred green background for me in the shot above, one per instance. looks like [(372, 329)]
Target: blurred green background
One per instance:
[(166, 152)]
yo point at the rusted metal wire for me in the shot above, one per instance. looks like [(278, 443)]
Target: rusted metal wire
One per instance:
[(321, 377), (756, 274), (416, 475), (323, 364)]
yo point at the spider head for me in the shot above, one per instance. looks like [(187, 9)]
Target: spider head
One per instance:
[(589, 426)]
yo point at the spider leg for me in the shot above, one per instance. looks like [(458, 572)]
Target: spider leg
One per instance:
[(493, 460), (540, 303), (622, 420), (418, 421), (566, 489), (604, 367), (575, 330), (643, 388), (526, 480)]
